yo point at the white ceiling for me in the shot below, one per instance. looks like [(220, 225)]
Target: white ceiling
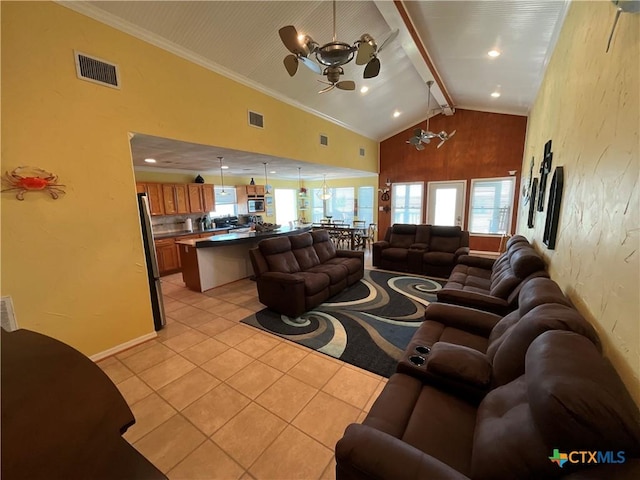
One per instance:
[(240, 39)]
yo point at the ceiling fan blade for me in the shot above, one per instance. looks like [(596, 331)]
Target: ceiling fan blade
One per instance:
[(326, 89), (417, 132), (289, 36), (414, 140), (310, 64), (420, 147), (366, 50), (291, 64), (372, 69), (346, 85), (452, 133), (441, 143), (426, 140), (390, 38)]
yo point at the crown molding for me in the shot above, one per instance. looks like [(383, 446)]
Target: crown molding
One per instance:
[(84, 8)]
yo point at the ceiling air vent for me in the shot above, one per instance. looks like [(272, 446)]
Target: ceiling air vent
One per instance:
[(96, 70), (362, 151), (256, 119), (324, 140)]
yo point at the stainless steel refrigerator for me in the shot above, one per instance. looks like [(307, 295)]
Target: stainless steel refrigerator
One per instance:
[(155, 289)]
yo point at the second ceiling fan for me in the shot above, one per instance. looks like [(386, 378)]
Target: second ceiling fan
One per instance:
[(422, 137), (333, 55)]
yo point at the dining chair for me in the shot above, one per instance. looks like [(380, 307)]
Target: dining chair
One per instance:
[(370, 237), (360, 233)]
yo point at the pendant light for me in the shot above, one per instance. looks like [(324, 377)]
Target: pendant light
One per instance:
[(301, 192), (222, 179), (325, 193), (267, 187)]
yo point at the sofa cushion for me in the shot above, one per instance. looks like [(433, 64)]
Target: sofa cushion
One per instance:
[(322, 244), (507, 352), (277, 252), (314, 282), (353, 265), (577, 398), (439, 258), (506, 442), (423, 234), (302, 247), (395, 254), (445, 239), (538, 291), (525, 261), (402, 235), (336, 273), (502, 285)]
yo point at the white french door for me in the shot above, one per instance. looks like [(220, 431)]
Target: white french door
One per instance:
[(445, 203)]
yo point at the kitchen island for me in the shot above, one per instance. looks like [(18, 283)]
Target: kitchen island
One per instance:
[(214, 261)]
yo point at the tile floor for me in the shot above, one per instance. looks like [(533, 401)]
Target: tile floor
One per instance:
[(216, 399)]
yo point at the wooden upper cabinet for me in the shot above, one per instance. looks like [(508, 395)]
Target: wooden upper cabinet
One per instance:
[(195, 198), (168, 195), (154, 194), (141, 187), (208, 198), (182, 198), (255, 190)]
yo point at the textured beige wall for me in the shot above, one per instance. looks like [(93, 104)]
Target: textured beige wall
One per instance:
[(589, 106)]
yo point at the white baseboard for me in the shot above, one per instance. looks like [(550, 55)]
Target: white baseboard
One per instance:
[(123, 346)]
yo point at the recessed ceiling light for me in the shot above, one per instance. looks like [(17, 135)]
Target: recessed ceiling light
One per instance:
[(150, 160), (396, 114), (364, 89), (495, 94), (493, 53), (224, 167), (272, 171)]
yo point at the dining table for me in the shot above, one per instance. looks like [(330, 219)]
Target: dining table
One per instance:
[(344, 234)]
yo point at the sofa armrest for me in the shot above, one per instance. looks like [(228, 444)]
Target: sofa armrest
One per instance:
[(351, 254), (364, 452), (474, 300), (479, 262), (459, 364), (462, 251), (464, 318), (419, 246)]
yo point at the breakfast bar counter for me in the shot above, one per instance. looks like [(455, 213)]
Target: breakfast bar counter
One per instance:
[(211, 262)]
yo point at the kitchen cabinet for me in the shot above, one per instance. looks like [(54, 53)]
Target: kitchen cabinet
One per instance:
[(201, 198), (154, 195), (175, 198), (254, 190), (167, 256)]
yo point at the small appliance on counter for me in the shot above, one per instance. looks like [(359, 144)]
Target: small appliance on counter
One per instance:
[(226, 222), (248, 219), (188, 225)]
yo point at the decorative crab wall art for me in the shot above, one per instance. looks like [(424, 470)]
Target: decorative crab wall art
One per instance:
[(27, 179)]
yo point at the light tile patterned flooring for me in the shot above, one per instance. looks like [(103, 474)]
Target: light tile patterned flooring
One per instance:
[(216, 399)]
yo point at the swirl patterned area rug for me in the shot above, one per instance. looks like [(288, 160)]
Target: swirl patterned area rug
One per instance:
[(368, 324)]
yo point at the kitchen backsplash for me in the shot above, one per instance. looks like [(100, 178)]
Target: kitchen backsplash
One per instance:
[(175, 223)]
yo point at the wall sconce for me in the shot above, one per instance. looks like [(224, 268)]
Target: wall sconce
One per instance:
[(385, 191)]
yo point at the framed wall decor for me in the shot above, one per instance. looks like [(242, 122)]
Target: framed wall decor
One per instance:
[(545, 170), (533, 191), (553, 209)]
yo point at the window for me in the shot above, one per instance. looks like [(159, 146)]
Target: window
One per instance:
[(286, 206), (406, 202), (226, 203), (491, 205), (365, 204), (338, 207)]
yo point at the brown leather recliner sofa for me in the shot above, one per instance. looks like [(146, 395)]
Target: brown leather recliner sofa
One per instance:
[(296, 273), (493, 285), (569, 399), (425, 249), (472, 351)]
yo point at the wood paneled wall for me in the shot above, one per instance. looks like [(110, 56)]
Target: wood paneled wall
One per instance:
[(485, 145)]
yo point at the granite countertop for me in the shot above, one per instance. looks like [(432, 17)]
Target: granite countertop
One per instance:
[(183, 233), (234, 238)]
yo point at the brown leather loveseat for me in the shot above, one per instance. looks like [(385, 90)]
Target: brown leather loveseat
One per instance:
[(493, 285), (569, 399), (296, 273), (424, 249)]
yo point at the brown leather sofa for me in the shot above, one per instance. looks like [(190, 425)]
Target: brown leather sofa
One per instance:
[(493, 285), (296, 273), (568, 399), (424, 249), (473, 351)]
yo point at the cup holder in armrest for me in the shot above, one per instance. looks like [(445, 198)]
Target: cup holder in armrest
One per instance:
[(423, 349), (417, 360)]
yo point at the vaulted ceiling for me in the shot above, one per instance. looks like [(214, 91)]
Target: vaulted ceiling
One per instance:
[(445, 41)]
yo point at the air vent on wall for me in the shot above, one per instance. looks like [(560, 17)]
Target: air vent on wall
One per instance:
[(256, 119), (96, 70), (361, 151), (8, 318), (324, 140)]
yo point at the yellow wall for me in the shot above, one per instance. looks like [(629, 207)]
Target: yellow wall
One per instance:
[(75, 266), (589, 106)]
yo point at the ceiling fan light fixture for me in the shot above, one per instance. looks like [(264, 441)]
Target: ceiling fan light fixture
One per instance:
[(396, 114), (495, 94)]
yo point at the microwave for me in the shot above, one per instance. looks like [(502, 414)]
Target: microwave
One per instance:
[(256, 206)]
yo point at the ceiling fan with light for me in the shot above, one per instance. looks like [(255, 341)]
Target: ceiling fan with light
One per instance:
[(422, 137), (333, 55)]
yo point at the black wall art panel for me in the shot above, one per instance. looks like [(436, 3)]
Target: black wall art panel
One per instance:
[(553, 209), (532, 203)]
